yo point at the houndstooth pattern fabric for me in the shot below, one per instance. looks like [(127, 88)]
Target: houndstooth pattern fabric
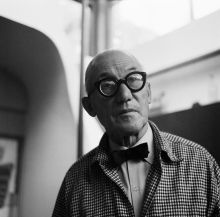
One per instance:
[(183, 181)]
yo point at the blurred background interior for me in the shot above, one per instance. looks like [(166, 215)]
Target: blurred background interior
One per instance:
[(45, 46)]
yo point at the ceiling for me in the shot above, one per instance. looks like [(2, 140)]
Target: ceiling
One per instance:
[(29, 55)]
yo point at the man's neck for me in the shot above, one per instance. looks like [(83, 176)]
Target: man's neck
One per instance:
[(129, 140)]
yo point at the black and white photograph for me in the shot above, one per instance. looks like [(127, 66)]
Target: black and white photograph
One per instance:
[(109, 108)]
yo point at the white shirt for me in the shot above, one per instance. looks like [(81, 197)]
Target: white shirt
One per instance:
[(133, 174)]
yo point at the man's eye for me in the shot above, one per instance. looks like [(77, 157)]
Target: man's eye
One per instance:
[(108, 84), (135, 78)]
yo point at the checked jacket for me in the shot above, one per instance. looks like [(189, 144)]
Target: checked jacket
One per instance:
[(184, 180)]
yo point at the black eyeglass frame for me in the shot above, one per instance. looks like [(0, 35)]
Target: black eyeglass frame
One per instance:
[(119, 82)]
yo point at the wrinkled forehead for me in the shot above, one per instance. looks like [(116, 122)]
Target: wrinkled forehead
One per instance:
[(116, 63)]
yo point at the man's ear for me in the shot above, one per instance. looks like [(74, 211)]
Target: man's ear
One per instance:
[(149, 92), (88, 106)]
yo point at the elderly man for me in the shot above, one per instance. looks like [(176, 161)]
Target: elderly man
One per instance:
[(136, 170)]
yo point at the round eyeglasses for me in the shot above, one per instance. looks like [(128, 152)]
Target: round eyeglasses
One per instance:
[(108, 87)]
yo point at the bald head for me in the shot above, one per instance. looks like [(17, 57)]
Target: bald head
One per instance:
[(110, 60)]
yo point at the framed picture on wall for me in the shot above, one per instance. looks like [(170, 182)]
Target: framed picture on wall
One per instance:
[(8, 174)]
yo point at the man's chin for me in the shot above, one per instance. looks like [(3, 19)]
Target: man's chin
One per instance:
[(128, 125), (128, 129)]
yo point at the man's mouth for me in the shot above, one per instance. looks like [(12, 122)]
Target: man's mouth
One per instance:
[(126, 111)]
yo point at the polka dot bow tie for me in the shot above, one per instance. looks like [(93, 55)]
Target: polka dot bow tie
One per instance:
[(139, 152)]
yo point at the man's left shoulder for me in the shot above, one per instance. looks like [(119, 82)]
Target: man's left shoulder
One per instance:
[(188, 148), (183, 142)]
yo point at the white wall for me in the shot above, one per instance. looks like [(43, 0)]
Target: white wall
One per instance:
[(182, 87), (194, 40), (50, 149), (180, 84)]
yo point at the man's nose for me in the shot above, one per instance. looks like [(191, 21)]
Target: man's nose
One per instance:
[(123, 94)]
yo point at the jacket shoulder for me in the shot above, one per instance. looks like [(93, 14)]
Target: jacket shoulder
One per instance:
[(83, 163), (188, 148)]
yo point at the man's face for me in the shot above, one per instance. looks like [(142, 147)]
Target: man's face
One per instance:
[(125, 113)]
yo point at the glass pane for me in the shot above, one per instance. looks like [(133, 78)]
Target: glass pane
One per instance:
[(138, 21), (205, 7)]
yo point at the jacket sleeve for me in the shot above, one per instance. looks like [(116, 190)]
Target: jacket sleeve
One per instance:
[(217, 176)]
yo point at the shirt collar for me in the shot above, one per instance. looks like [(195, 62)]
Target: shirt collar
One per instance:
[(158, 143), (164, 146)]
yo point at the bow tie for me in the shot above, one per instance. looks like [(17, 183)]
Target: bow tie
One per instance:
[(139, 152)]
